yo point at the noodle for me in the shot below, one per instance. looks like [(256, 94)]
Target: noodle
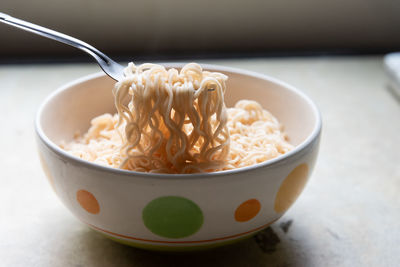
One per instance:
[(177, 122)]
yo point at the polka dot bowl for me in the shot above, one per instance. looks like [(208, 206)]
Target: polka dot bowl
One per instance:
[(177, 212)]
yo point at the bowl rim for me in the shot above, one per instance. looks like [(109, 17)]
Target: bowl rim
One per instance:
[(313, 136)]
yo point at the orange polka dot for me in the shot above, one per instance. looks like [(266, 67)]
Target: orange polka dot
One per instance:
[(247, 210), (47, 171), (291, 188), (88, 201)]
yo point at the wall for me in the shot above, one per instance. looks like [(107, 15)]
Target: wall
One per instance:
[(134, 27)]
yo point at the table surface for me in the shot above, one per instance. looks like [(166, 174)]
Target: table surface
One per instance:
[(348, 215)]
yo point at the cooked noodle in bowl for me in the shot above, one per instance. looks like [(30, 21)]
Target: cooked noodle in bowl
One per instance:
[(145, 176), (171, 121)]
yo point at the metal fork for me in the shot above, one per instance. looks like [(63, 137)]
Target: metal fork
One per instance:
[(109, 66)]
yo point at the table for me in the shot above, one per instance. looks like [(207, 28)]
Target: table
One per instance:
[(348, 215)]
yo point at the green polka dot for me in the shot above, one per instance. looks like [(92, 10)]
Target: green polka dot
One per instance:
[(172, 217)]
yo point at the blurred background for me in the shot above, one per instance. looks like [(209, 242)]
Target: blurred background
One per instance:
[(174, 29)]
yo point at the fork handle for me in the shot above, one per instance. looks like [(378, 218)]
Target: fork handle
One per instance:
[(57, 36)]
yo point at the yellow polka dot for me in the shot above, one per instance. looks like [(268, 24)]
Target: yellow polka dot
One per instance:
[(88, 201), (291, 188), (247, 210), (47, 171)]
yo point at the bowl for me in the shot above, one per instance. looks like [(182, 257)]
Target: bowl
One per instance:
[(182, 211)]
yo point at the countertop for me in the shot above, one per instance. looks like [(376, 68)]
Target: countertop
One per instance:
[(348, 215)]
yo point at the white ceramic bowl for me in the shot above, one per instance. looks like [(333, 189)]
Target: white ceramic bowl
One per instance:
[(177, 212)]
